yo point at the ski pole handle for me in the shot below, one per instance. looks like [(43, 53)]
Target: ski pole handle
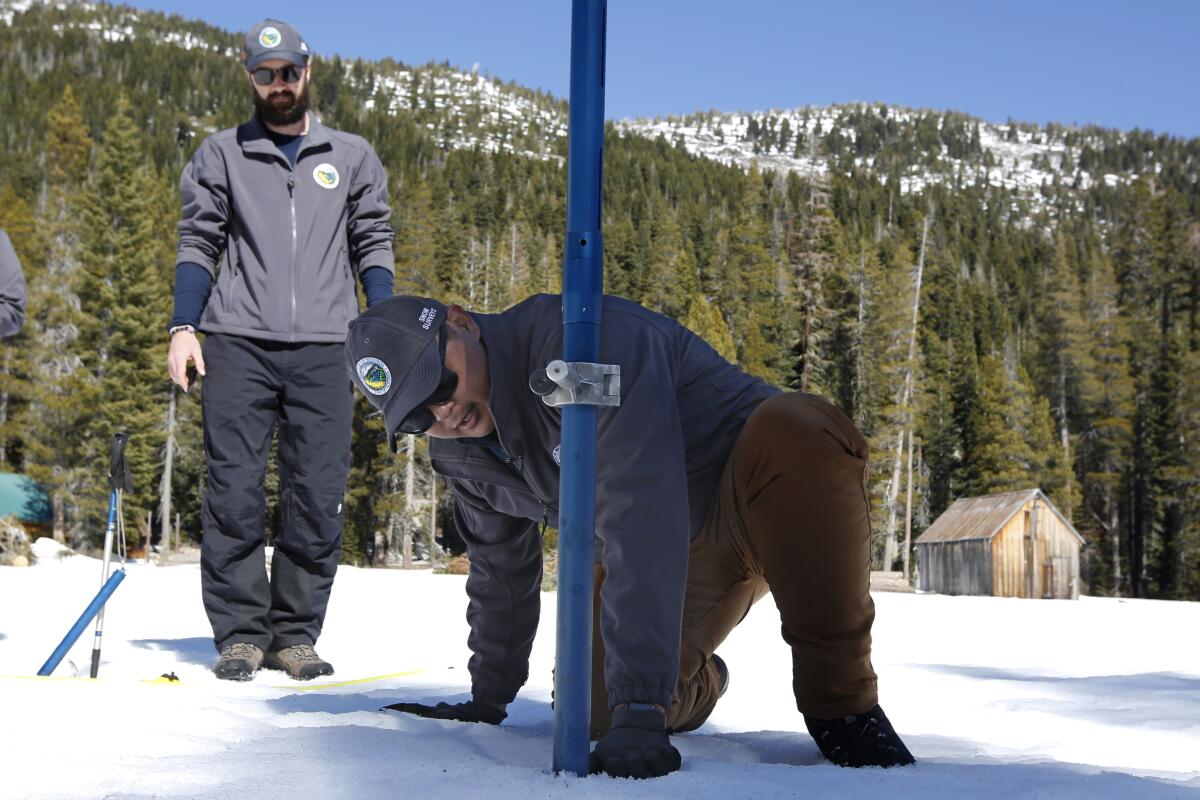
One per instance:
[(119, 476)]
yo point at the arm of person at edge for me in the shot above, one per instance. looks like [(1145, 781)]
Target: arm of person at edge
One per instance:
[(204, 196), (504, 594), (642, 514), (643, 521), (12, 289)]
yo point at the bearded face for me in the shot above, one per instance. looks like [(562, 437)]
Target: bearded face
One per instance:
[(282, 105)]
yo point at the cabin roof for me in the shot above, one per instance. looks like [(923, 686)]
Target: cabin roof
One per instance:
[(983, 517)]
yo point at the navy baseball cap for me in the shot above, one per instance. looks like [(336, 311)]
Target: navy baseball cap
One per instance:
[(274, 39), (393, 356)]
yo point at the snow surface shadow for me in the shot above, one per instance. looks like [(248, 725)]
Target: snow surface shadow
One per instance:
[(529, 716), (766, 747), (196, 650), (1162, 700)]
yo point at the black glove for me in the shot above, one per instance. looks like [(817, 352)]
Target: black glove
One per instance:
[(471, 711), (636, 745)]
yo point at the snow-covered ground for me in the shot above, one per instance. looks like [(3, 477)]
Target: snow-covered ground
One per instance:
[(997, 698)]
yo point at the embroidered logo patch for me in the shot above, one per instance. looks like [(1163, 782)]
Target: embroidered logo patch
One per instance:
[(557, 453), (326, 176), (374, 374), (426, 317), (269, 37)]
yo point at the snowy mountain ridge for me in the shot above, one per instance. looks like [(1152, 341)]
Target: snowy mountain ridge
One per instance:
[(1018, 157), (469, 109)]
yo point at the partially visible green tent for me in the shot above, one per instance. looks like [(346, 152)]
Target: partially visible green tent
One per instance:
[(20, 497)]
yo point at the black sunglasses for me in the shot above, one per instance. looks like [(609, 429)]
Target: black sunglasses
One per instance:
[(421, 419), (265, 76)]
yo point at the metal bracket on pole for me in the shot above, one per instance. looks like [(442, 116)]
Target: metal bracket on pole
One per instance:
[(573, 383)]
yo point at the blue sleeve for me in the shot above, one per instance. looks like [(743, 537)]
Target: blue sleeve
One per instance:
[(377, 284), (192, 286)]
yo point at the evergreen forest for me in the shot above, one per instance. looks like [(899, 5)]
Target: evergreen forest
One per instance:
[(984, 341)]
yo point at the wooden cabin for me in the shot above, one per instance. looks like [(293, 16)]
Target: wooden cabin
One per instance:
[(1015, 544)]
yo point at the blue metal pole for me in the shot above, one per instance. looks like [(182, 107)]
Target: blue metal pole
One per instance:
[(583, 280), (93, 608)]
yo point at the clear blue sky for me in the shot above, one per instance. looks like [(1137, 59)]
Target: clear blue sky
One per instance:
[(1118, 63)]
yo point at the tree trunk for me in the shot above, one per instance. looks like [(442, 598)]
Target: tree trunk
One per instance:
[(168, 463), (433, 545), (512, 278), (860, 377), (908, 508), (487, 272), (1065, 437), (409, 480), (390, 539), (806, 346), (906, 418), (4, 406), (1114, 538), (60, 516)]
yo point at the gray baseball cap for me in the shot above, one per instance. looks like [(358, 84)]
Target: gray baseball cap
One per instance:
[(393, 356), (274, 39)]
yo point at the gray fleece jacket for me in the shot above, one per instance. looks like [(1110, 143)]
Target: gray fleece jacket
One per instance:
[(12, 289), (660, 455), (284, 244)]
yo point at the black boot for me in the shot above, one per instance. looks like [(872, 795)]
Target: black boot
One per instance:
[(860, 740)]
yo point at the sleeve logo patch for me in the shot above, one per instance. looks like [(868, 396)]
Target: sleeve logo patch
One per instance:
[(375, 376), (326, 176), (269, 37), (557, 454)]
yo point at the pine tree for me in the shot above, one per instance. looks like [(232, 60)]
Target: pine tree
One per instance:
[(53, 437), (1109, 411), (124, 309), (415, 245), (1065, 363), (1012, 431), (813, 252), (751, 279)]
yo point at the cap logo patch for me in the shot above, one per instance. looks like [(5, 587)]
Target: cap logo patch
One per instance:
[(426, 317), (375, 376), (326, 176), (269, 37)]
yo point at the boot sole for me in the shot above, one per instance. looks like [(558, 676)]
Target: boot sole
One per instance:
[(235, 675), (321, 671)]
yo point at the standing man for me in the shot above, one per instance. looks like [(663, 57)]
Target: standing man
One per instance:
[(279, 216), (12, 289), (712, 488)]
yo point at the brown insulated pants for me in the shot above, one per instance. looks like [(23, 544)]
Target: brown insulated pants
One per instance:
[(790, 517)]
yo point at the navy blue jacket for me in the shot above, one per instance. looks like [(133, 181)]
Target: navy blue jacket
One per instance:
[(660, 457)]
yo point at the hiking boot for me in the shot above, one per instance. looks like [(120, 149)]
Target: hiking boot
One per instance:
[(859, 740), (300, 661), (722, 675), (238, 662)]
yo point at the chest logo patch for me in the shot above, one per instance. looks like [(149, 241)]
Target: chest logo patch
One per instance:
[(326, 176), (375, 376), (269, 37), (557, 453)]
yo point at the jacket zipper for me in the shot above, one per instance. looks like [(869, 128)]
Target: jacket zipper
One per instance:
[(292, 270)]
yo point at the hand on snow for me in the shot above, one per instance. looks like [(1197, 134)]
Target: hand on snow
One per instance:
[(471, 711), (636, 746)]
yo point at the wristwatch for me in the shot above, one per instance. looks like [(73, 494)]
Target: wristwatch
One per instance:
[(178, 328)]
